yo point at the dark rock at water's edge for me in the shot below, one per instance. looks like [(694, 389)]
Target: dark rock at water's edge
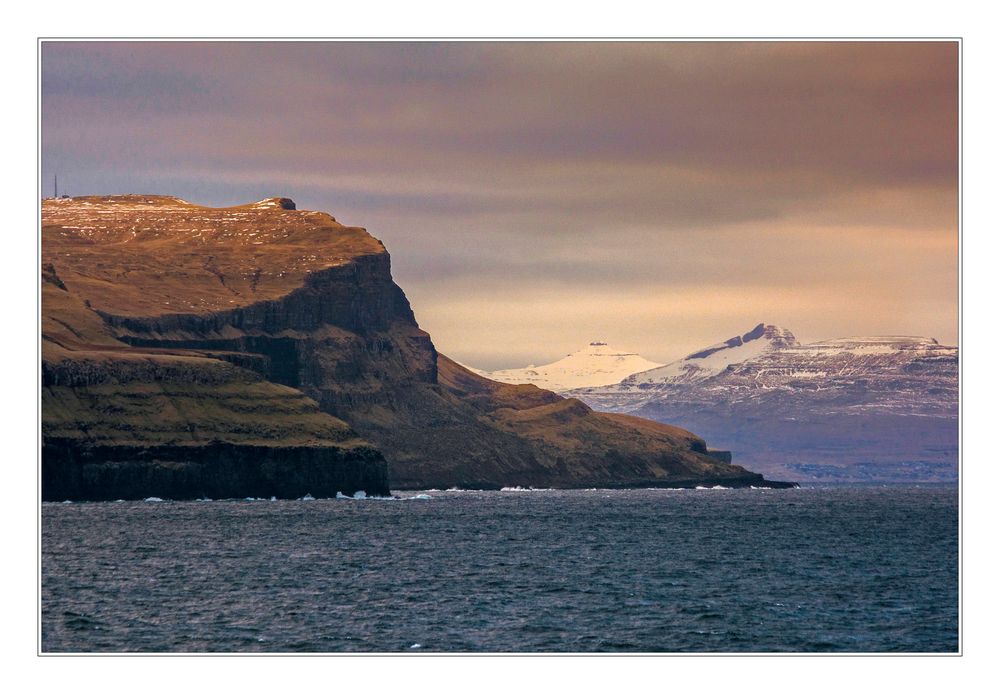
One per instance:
[(171, 330), (214, 471)]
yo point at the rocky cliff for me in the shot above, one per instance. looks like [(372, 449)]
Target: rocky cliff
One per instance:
[(259, 347)]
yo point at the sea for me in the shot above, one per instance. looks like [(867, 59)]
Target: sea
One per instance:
[(808, 570)]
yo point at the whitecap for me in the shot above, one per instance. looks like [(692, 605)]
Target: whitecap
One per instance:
[(308, 497), (359, 494), (416, 645), (152, 498), (422, 496)]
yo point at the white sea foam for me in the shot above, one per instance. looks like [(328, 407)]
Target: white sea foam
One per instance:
[(416, 645), (67, 501), (362, 495), (308, 497), (422, 496), (153, 499)]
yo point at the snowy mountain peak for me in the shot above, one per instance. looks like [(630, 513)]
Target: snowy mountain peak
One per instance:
[(778, 337), (597, 364), (603, 349), (713, 360)]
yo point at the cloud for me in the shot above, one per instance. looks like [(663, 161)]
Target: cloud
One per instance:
[(596, 167)]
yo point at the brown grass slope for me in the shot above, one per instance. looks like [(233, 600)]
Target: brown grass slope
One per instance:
[(585, 447), (143, 255)]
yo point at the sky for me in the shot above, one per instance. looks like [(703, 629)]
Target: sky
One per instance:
[(537, 196)]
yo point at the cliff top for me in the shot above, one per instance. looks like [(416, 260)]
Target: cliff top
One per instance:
[(147, 255)]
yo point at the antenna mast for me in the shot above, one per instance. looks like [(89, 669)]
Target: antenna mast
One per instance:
[(55, 185)]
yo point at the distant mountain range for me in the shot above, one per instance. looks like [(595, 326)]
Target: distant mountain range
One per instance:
[(861, 409), (597, 364)]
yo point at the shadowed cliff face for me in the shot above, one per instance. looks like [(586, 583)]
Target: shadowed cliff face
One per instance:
[(145, 290)]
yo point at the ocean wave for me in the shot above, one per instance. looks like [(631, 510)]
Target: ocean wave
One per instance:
[(363, 496)]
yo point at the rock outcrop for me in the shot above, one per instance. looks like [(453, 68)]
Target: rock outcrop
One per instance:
[(268, 349)]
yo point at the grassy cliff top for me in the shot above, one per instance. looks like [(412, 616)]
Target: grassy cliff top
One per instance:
[(148, 255)]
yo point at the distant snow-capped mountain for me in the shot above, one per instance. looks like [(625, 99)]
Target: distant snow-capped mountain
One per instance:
[(597, 364), (852, 409), (713, 360)]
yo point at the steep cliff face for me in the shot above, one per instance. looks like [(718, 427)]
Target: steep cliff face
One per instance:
[(126, 421), (270, 303)]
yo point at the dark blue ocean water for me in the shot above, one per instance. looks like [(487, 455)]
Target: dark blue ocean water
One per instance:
[(814, 570)]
